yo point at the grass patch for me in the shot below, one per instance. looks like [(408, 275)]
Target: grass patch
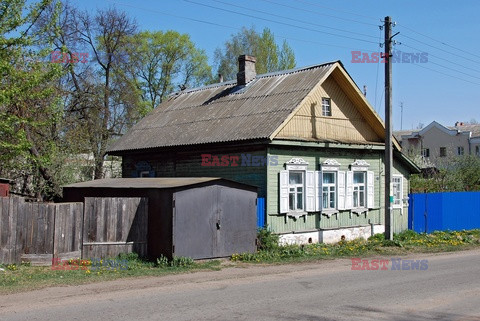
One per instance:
[(22, 277), (403, 243), (14, 278)]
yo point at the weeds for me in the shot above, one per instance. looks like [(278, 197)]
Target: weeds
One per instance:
[(405, 242)]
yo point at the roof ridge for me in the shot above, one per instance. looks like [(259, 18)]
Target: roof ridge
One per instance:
[(265, 75)]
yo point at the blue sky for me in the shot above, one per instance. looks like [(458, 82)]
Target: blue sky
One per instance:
[(445, 89)]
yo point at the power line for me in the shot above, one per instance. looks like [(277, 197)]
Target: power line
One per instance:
[(454, 54), (274, 21), (445, 74), (296, 20), (338, 10), (439, 41), (449, 61), (174, 15), (230, 27), (323, 14)]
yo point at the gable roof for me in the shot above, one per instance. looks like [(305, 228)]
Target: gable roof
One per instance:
[(226, 112), (467, 130)]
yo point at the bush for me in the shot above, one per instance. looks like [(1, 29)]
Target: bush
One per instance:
[(266, 240)]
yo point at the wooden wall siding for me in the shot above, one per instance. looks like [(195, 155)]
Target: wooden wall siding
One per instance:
[(314, 157), (68, 230), (347, 123), (114, 225), (189, 164)]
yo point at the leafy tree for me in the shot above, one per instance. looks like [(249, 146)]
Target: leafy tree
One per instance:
[(29, 105), (270, 56), (461, 174), (165, 61), (100, 99)]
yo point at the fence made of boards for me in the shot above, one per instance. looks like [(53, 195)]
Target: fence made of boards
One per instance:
[(99, 228)]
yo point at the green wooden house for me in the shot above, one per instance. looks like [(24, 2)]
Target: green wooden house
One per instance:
[(308, 138)]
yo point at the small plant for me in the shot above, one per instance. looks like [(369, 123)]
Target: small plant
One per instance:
[(180, 261), (267, 240), (162, 261), (12, 267)]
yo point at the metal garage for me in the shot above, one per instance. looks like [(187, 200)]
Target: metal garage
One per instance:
[(201, 217)]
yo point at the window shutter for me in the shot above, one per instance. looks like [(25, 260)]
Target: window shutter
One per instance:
[(341, 190), (349, 191), (310, 191), (283, 192), (370, 189), (318, 190)]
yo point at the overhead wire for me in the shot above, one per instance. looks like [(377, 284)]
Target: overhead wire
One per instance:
[(320, 13), (274, 21), (230, 27), (439, 41), (296, 20), (429, 45)]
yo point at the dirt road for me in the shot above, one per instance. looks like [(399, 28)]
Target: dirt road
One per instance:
[(448, 289)]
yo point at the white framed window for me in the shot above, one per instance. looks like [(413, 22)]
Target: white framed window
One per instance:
[(297, 188), (460, 150), (397, 190), (326, 107), (360, 186), (359, 189), (329, 190)]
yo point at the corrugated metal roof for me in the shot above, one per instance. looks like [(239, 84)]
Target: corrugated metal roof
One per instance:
[(224, 112), (150, 182)]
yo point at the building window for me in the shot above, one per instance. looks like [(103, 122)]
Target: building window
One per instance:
[(359, 189), (443, 151), (326, 107), (425, 152), (397, 190), (295, 190), (329, 186), (460, 150), (477, 150)]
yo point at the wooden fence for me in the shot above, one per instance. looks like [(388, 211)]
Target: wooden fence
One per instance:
[(114, 225), (40, 232)]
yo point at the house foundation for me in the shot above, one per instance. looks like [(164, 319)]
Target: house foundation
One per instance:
[(331, 236)]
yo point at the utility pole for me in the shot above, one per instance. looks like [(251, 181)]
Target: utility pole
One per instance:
[(388, 131), (401, 115)]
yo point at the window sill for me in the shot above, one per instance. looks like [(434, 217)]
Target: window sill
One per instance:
[(296, 214), (329, 212), (358, 211)]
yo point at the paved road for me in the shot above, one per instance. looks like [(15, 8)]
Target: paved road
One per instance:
[(448, 290)]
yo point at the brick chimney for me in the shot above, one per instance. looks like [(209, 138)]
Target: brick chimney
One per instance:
[(246, 69)]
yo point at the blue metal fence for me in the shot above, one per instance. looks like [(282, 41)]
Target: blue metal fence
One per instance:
[(444, 211), (260, 212)]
